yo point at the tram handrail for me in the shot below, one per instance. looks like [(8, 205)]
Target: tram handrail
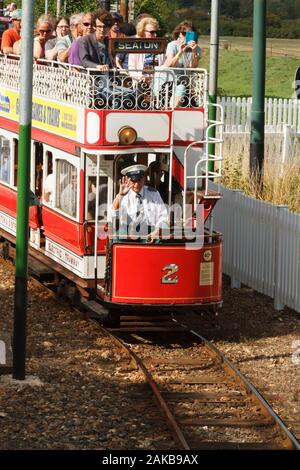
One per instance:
[(209, 174)]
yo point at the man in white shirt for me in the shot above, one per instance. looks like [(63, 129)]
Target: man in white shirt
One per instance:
[(141, 211), (48, 189)]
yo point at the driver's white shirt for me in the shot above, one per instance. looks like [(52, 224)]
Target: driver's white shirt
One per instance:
[(155, 213)]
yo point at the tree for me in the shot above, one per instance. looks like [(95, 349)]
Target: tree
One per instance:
[(72, 6), (162, 10)]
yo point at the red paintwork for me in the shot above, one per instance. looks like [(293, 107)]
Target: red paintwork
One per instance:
[(208, 203), (33, 217), (39, 135), (137, 272), (8, 200), (63, 230), (178, 171), (89, 233), (8, 205)]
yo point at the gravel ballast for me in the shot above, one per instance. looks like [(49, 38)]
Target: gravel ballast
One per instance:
[(82, 393)]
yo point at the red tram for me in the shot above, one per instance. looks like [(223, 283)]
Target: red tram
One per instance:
[(83, 134)]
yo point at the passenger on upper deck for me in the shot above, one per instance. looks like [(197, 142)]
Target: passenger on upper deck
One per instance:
[(62, 28), (64, 41), (115, 31), (182, 55), (12, 35), (121, 59), (11, 7), (87, 28), (93, 49), (140, 209), (45, 32), (179, 53), (145, 28)]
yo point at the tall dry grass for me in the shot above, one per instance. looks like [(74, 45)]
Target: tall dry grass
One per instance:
[(280, 185)]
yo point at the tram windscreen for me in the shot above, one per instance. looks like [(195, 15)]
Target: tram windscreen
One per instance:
[(92, 196)]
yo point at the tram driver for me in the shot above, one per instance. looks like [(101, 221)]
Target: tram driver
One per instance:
[(140, 209)]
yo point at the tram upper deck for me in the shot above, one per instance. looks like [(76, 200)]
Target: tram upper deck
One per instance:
[(91, 107)]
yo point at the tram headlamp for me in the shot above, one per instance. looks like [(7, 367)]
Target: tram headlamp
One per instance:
[(127, 135)]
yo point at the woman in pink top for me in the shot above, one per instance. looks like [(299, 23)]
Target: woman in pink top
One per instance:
[(146, 28)]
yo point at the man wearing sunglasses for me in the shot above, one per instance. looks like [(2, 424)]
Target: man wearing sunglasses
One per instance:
[(12, 35), (87, 28), (94, 54), (93, 48)]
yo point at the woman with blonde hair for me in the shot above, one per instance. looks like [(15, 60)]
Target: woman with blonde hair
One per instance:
[(146, 28), (44, 28)]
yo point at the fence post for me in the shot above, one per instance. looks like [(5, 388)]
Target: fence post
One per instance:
[(278, 258), (286, 144), (235, 283)]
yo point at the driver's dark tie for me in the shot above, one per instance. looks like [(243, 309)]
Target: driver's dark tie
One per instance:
[(139, 210)]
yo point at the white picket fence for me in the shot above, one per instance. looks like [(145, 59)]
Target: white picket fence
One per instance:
[(278, 114), (261, 246)]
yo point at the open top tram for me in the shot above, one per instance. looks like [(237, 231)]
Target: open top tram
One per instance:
[(86, 127)]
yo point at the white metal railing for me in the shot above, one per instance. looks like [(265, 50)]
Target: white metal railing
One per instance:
[(209, 166), (261, 246), (129, 90)]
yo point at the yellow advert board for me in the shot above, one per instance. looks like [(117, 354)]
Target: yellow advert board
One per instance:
[(46, 115)]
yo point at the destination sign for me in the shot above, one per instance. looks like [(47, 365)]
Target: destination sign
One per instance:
[(137, 46)]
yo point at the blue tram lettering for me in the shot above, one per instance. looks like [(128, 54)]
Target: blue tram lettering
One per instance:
[(53, 116), (37, 112)]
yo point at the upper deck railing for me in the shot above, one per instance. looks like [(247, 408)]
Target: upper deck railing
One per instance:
[(153, 90)]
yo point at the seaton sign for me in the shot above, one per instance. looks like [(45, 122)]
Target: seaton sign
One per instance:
[(138, 46)]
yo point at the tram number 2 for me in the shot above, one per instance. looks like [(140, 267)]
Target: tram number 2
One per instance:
[(169, 277)]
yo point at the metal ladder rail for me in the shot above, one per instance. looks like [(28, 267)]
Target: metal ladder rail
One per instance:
[(206, 159)]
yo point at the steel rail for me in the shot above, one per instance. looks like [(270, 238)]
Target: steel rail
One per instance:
[(293, 443), (172, 423)]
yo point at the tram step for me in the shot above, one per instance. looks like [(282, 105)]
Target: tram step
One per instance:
[(37, 268), (94, 307)]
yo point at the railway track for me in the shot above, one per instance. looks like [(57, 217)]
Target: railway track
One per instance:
[(205, 399)]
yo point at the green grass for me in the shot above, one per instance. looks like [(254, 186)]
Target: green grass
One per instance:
[(235, 71)]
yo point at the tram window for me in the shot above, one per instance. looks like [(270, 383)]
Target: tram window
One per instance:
[(49, 179), (38, 154), (91, 197), (15, 154), (4, 160), (66, 187)]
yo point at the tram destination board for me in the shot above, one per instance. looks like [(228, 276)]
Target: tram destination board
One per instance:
[(138, 46)]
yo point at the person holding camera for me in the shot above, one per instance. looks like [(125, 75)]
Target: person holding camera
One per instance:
[(184, 51)]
